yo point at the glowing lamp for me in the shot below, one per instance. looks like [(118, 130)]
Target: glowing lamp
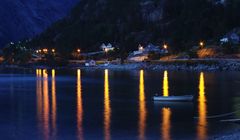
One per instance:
[(201, 43), (165, 46)]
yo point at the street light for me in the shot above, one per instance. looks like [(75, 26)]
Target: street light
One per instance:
[(140, 48), (45, 50), (165, 46), (201, 44), (53, 50), (106, 50), (78, 50)]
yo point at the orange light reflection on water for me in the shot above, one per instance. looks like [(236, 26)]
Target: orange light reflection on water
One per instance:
[(142, 107), (45, 105), (202, 110), (107, 107), (54, 104), (79, 107), (39, 94), (166, 123), (166, 112)]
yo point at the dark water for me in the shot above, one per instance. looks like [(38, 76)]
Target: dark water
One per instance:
[(78, 104)]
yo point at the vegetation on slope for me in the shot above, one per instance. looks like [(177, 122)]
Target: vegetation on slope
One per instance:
[(127, 23)]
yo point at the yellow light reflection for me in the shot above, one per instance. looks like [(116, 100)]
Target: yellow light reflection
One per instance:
[(107, 108), (165, 84), (142, 107), (166, 112), (39, 94), (202, 110), (54, 104), (166, 123), (45, 105), (79, 107)]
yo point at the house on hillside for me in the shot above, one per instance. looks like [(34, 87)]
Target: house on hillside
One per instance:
[(107, 48), (233, 38), (142, 53)]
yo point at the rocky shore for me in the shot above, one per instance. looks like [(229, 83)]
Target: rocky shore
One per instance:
[(171, 65), (176, 65)]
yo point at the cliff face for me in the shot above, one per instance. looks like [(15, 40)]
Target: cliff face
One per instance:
[(26, 18)]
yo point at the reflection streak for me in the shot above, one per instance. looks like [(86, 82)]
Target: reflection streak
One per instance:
[(39, 94), (107, 108), (142, 107), (54, 104), (166, 112), (45, 105), (79, 107), (166, 124), (165, 84), (202, 109)]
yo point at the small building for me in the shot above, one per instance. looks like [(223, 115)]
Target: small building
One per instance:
[(108, 47), (230, 38), (90, 63)]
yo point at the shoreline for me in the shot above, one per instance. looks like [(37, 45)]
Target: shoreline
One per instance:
[(171, 65)]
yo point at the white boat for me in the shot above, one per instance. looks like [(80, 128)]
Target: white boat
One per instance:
[(174, 98)]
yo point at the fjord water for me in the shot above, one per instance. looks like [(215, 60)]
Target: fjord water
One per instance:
[(106, 104)]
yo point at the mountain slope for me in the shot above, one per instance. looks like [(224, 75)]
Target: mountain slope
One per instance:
[(181, 23), (23, 19)]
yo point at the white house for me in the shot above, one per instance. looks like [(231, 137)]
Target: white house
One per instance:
[(107, 48)]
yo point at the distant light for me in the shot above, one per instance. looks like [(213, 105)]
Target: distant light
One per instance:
[(53, 50), (140, 48), (201, 43), (78, 50), (37, 51), (45, 50), (106, 50), (165, 46)]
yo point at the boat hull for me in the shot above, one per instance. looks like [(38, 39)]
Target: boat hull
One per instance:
[(173, 98)]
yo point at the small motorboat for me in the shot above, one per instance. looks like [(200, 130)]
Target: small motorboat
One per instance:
[(184, 98)]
